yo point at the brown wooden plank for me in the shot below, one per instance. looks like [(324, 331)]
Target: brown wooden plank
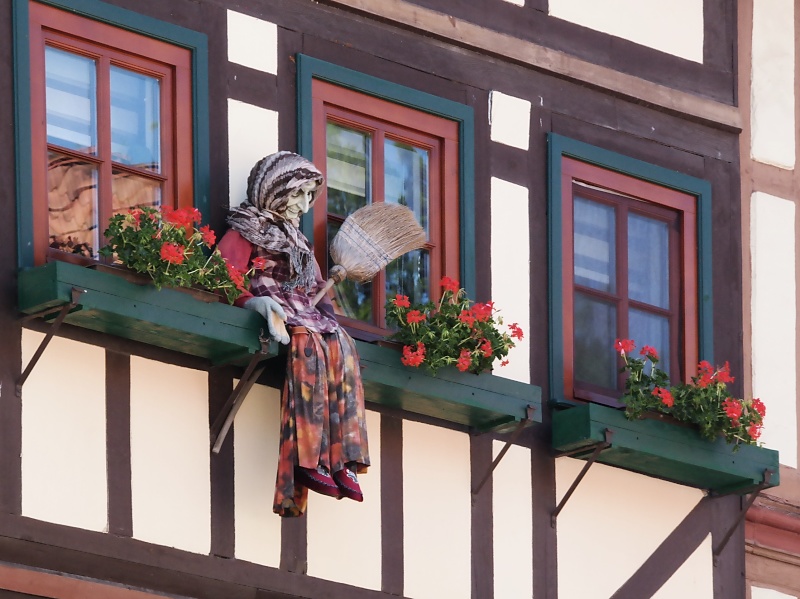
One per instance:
[(482, 524), (220, 385), (118, 443), (544, 568), (252, 86), (392, 552)]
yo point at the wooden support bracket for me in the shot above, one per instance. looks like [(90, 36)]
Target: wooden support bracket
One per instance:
[(599, 447), (514, 436), (764, 484), (62, 313), (222, 424)]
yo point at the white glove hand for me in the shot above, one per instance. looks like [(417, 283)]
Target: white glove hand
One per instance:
[(273, 313)]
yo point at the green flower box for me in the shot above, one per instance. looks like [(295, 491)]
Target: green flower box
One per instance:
[(165, 318), (483, 402), (665, 450)]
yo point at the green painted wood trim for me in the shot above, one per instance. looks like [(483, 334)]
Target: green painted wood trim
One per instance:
[(560, 146), (485, 402), (309, 68), (194, 41), (664, 450), (167, 318)]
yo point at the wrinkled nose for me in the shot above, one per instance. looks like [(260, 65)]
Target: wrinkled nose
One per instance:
[(305, 202)]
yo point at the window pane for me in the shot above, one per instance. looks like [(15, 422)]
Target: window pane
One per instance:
[(648, 260), (409, 275), (71, 99), (350, 298), (72, 204), (406, 178), (348, 169), (135, 119), (595, 331), (652, 330), (129, 190), (595, 257)]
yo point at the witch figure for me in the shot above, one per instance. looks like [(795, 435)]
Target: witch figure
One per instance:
[(323, 422)]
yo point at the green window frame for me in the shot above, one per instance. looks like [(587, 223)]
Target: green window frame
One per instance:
[(560, 150), (130, 21), (309, 69)]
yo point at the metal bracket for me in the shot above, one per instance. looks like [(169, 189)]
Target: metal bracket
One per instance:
[(63, 311), (599, 447), (522, 424), (764, 484), (219, 430)]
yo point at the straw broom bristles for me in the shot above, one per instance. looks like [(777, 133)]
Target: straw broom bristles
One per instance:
[(369, 239)]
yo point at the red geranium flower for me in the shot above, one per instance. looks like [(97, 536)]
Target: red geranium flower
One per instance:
[(209, 238), (516, 332), (259, 263), (415, 316), (624, 346), (467, 317), (450, 285), (733, 410), (482, 312), (401, 301), (759, 407), (236, 276), (172, 253), (650, 352), (486, 348), (464, 360), (413, 357), (754, 430), (664, 395), (723, 375)]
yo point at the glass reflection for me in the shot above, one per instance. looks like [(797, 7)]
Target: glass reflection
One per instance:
[(593, 239), (348, 169), (653, 330), (72, 204), (135, 119), (129, 191), (410, 275), (594, 334), (71, 100), (648, 260), (406, 178), (350, 299)]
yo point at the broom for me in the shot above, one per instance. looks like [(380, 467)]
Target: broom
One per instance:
[(369, 239)]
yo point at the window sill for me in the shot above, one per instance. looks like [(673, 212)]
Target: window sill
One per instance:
[(165, 318), (482, 402), (663, 450)]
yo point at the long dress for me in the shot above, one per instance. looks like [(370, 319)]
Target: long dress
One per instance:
[(323, 419)]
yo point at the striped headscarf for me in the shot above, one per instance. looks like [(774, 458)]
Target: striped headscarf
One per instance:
[(260, 219)]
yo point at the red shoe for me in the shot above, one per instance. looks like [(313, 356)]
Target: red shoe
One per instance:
[(317, 480), (348, 484)]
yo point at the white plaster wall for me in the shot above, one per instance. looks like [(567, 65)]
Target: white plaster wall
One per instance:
[(64, 434), (329, 521), (170, 465), (774, 305), (649, 508), (436, 512), (762, 593), (252, 134), (695, 578), (772, 103), (255, 445), (513, 523), (511, 271), (510, 119), (674, 27), (252, 42)]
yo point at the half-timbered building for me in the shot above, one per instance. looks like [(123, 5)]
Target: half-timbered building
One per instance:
[(597, 169)]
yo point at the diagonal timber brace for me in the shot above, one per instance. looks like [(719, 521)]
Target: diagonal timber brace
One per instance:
[(222, 424), (764, 484), (62, 313), (514, 436), (599, 447)]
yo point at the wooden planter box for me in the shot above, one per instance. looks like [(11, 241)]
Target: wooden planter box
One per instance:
[(663, 450), (165, 318), (483, 402)]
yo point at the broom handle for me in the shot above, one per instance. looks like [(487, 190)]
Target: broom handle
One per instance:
[(337, 275)]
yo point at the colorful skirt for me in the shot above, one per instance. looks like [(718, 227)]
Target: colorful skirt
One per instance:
[(323, 420)]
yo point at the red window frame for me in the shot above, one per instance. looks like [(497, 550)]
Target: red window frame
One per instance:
[(110, 45), (635, 195), (382, 119)]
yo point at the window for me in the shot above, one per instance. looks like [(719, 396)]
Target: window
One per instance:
[(106, 106), (378, 142), (625, 260)]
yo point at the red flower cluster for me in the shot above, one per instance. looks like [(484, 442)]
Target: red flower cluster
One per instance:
[(624, 346), (483, 312), (486, 348), (754, 430), (733, 410), (209, 238), (708, 375), (516, 332), (664, 395), (413, 357), (183, 217), (759, 407), (259, 263), (464, 360), (415, 316), (467, 317), (172, 253), (236, 276), (450, 285), (401, 301), (650, 352)]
